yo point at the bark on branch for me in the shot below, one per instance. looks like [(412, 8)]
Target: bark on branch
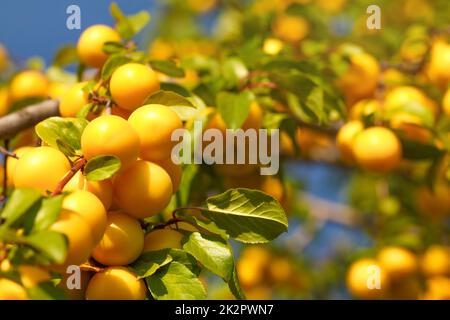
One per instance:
[(27, 117)]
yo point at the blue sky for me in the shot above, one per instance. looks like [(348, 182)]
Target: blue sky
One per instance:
[(38, 28)]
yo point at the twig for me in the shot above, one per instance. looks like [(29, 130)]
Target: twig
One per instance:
[(8, 153), (27, 117), (90, 267), (75, 168), (5, 170)]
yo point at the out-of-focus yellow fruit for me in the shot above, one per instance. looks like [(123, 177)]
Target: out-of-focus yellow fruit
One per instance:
[(90, 208), (122, 242), (10, 290), (131, 84), (79, 235), (393, 77), (32, 275), (161, 50), (90, 44), (434, 203), (161, 239), (259, 293), (290, 28), (202, 6), (410, 126), (364, 108), (438, 288), (280, 270), (331, 6), (398, 262), (28, 84), (143, 190), (361, 77), (116, 283), (252, 265), (41, 168), (436, 261), (163, 121), (402, 96), (446, 103), (439, 58), (12, 162), (359, 279), (4, 101), (345, 139), (73, 100), (174, 170), (75, 293), (377, 149), (103, 189), (272, 46), (57, 89), (111, 135)]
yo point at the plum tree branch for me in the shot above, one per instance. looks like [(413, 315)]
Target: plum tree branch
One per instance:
[(27, 117)]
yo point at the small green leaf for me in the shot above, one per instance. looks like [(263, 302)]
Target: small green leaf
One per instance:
[(234, 108), (247, 215), (67, 130), (114, 61), (235, 286), (101, 168), (65, 148), (19, 203), (149, 262), (47, 213), (418, 151), (65, 56), (46, 291), (84, 112), (175, 282), (167, 67), (181, 105), (139, 20), (212, 252), (52, 244), (111, 47)]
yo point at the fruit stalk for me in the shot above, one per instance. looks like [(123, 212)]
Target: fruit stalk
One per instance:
[(77, 166)]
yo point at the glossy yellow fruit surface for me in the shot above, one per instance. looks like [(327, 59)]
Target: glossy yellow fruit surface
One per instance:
[(290, 28), (10, 290), (436, 261), (28, 84), (398, 262), (175, 172), (143, 190), (90, 44), (116, 283), (359, 279), (73, 100), (122, 242), (345, 139), (162, 239), (12, 162)]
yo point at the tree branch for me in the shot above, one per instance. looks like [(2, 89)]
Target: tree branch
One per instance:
[(27, 117)]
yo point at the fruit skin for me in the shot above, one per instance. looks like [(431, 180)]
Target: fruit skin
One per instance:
[(116, 283), (377, 149), (103, 189), (360, 79), (175, 172), (73, 100), (345, 139), (111, 135), (410, 126), (12, 162), (161, 239), (131, 84), (122, 242), (438, 288), (446, 103), (79, 235), (163, 121), (272, 46), (436, 261), (28, 84), (4, 101), (358, 275), (364, 107), (398, 262), (32, 275), (90, 208), (57, 90), (143, 190), (90, 44), (290, 28), (402, 96), (439, 57), (10, 290), (41, 168), (251, 266)]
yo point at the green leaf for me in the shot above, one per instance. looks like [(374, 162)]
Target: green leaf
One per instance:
[(84, 112), (20, 201), (67, 130), (101, 168), (185, 259), (212, 252), (233, 71), (149, 262), (184, 190), (52, 244), (45, 291), (234, 108), (167, 67), (111, 47), (207, 225), (175, 282), (65, 56), (418, 151), (114, 61), (247, 215), (181, 105), (128, 26), (139, 20), (47, 213), (235, 286), (65, 148)]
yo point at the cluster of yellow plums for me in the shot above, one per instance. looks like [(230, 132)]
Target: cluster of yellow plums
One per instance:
[(402, 274), (101, 219)]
